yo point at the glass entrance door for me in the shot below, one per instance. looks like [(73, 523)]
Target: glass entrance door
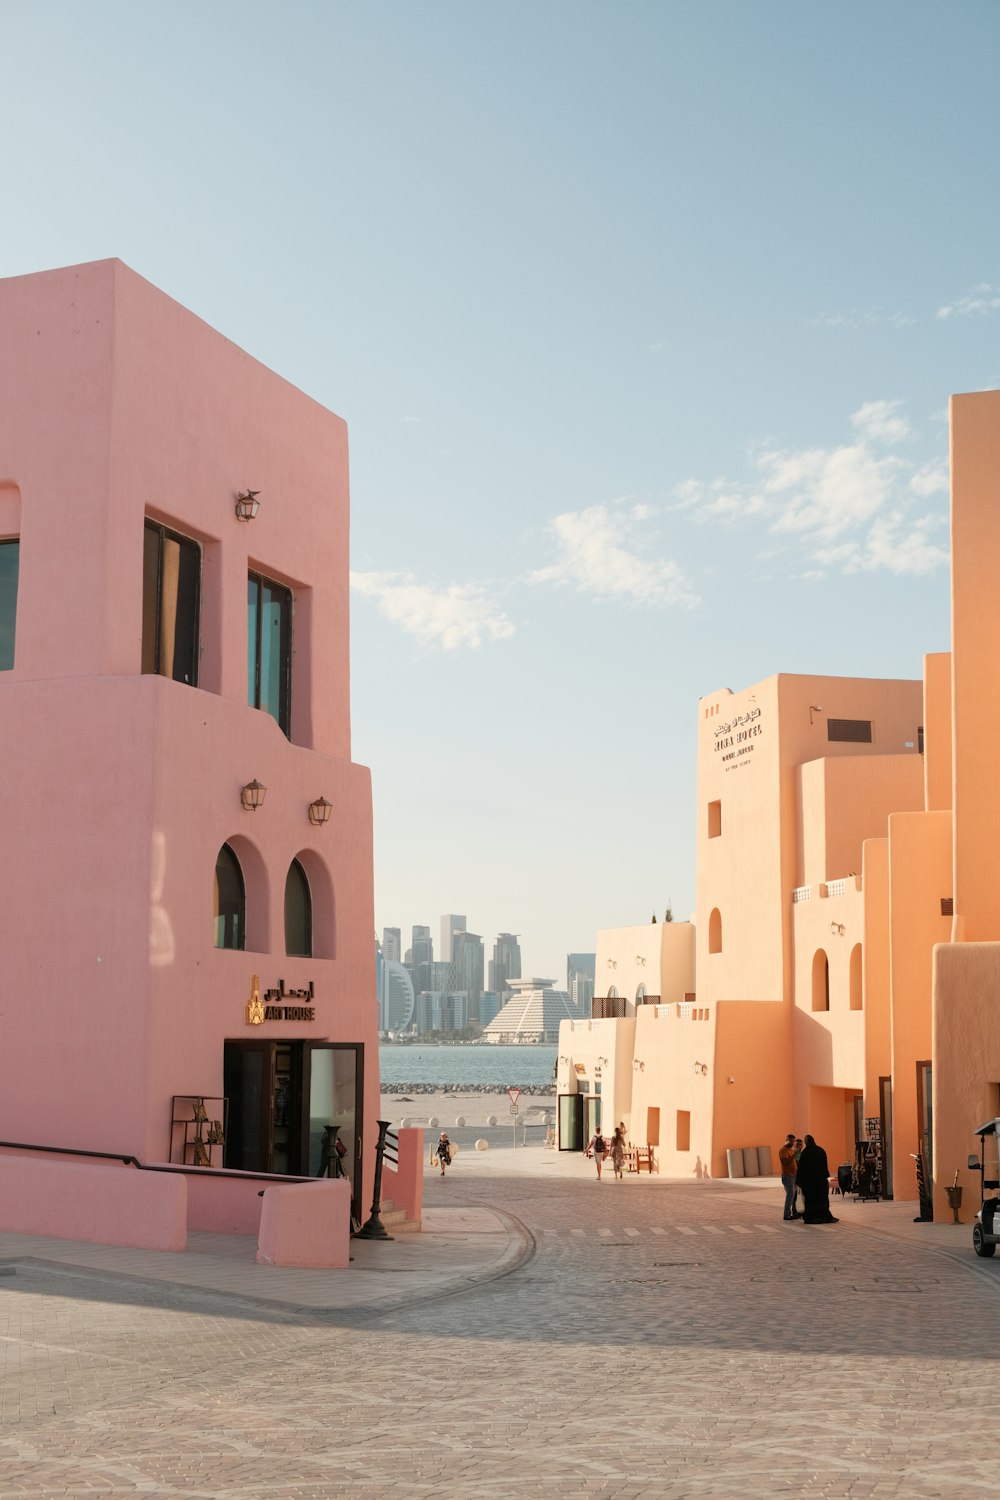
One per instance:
[(925, 1118), (248, 1074), (332, 1090), (570, 1122)]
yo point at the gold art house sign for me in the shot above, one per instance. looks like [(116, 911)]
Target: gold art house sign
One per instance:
[(272, 1008), (736, 740)]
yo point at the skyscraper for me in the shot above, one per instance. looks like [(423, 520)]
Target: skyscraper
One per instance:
[(505, 963), (580, 972), (392, 944), (467, 961), (423, 946), (450, 924)]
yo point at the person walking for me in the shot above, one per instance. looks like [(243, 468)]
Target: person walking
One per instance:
[(618, 1153), (813, 1177), (789, 1165), (597, 1148), (444, 1152)]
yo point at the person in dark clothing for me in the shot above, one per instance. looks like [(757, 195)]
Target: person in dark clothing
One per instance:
[(813, 1177)]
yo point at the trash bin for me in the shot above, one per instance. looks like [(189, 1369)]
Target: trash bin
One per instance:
[(750, 1165), (954, 1201), (845, 1176), (764, 1166), (734, 1162)]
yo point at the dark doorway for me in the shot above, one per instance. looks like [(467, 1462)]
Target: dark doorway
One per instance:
[(282, 1096)]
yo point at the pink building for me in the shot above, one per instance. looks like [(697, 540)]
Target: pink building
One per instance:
[(158, 656)]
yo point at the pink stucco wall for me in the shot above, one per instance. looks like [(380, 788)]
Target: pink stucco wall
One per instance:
[(99, 1203), (306, 1224), (118, 789), (403, 1184)]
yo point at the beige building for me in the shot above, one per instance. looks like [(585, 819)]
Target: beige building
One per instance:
[(848, 909)]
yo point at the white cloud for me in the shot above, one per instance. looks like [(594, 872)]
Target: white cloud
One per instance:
[(462, 614), (984, 298), (853, 507), (872, 317), (882, 422), (600, 551)]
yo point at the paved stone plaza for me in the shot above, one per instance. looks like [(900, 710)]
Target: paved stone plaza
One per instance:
[(546, 1335)]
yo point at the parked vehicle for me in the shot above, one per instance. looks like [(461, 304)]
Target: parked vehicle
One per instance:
[(986, 1228)]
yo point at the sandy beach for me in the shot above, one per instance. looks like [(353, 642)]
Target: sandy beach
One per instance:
[(474, 1109)]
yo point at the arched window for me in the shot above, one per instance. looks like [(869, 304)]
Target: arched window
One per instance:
[(612, 992), (856, 989), (715, 931), (298, 913), (640, 995), (820, 981), (230, 901)]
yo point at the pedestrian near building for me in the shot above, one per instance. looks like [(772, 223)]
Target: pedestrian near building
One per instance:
[(444, 1152), (789, 1164), (813, 1177), (618, 1152), (597, 1148)]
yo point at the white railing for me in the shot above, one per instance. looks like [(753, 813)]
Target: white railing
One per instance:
[(802, 893)]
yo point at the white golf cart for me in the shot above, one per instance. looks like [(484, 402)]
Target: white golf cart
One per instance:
[(986, 1229)]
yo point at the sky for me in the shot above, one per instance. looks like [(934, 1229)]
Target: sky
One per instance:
[(643, 318)]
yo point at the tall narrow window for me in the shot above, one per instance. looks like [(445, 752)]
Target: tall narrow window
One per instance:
[(298, 913), (171, 574), (856, 978), (230, 901), (269, 648), (9, 561), (820, 981), (714, 820), (715, 931)]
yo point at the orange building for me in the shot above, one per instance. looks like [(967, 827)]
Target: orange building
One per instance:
[(848, 908)]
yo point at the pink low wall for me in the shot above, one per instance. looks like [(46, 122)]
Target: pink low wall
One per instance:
[(224, 1205), (404, 1185), (306, 1224), (104, 1205)]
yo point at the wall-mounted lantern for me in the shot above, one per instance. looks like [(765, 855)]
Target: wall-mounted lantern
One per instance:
[(319, 811), (253, 795), (247, 505)]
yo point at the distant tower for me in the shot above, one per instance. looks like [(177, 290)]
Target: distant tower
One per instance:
[(505, 964), (450, 924), (423, 947), (467, 961), (392, 944), (421, 959), (580, 970), (397, 997)]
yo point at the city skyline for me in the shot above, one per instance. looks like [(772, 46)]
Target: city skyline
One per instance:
[(645, 379)]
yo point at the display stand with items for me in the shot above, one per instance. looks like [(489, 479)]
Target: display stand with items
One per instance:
[(198, 1133)]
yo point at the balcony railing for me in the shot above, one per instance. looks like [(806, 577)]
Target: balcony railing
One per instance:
[(608, 1007)]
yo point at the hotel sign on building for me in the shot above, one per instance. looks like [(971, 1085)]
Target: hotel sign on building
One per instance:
[(736, 739)]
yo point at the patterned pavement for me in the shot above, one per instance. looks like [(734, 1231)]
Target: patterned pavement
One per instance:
[(649, 1338)]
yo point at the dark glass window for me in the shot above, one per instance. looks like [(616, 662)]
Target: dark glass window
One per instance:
[(9, 561), (857, 731), (269, 648), (171, 572), (230, 901), (298, 913)]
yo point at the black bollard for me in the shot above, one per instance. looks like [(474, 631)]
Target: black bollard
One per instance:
[(374, 1229)]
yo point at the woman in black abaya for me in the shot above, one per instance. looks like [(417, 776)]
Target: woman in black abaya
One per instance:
[(813, 1177)]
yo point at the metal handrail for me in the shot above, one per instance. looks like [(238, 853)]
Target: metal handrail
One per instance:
[(142, 1166)]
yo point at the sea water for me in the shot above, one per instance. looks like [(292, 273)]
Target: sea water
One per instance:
[(508, 1067)]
